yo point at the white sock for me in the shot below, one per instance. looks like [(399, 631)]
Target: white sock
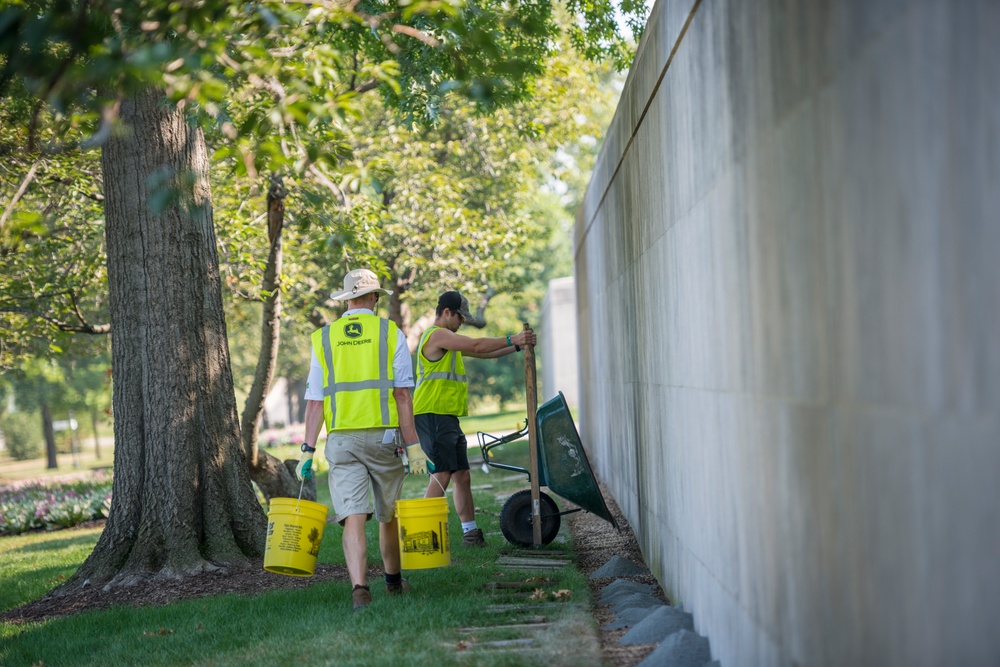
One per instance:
[(468, 525)]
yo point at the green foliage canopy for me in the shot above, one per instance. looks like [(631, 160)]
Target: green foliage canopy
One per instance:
[(280, 87)]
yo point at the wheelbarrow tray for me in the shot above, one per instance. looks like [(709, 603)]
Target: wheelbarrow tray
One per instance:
[(563, 464)]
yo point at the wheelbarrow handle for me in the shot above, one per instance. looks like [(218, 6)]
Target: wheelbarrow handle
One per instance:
[(487, 442)]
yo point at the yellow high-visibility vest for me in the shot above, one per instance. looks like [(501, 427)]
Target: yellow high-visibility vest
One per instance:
[(442, 386), (356, 353)]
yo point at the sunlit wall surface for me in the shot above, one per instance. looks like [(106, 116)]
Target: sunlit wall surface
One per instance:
[(557, 348), (788, 284)]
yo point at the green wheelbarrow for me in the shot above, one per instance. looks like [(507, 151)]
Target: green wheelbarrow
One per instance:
[(562, 467)]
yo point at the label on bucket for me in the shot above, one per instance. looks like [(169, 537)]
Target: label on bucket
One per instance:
[(423, 533), (290, 538), (424, 541)]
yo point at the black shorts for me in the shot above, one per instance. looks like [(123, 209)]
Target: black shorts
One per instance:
[(443, 441)]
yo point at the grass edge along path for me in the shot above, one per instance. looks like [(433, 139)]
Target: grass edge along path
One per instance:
[(455, 616)]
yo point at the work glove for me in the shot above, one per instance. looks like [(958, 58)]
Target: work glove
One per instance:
[(304, 470), (416, 461)]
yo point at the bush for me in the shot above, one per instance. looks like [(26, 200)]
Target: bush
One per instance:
[(53, 505), (22, 435), (64, 442)]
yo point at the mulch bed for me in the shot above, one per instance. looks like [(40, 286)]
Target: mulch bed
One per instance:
[(596, 542)]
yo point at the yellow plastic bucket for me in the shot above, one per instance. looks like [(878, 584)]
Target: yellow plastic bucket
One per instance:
[(423, 533), (294, 532)]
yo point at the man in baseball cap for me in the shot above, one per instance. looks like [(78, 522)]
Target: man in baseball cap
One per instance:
[(442, 396)]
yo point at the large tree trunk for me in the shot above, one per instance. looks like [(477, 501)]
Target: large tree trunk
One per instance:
[(182, 497), (273, 477)]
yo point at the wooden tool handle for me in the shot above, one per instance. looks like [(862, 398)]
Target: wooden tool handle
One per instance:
[(531, 396)]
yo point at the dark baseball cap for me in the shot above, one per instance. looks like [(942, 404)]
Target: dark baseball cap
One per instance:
[(456, 303)]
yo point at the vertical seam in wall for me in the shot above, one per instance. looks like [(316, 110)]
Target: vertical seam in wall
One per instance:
[(642, 117)]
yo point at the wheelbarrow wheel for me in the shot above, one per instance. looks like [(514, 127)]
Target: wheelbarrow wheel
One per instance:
[(515, 518)]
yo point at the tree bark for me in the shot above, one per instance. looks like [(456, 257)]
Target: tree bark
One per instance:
[(97, 438), (50, 437), (274, 478), (182, 498)]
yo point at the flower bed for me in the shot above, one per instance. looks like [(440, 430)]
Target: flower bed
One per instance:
[(54, 505)]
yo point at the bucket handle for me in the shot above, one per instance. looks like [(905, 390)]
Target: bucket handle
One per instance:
[(299, 501)]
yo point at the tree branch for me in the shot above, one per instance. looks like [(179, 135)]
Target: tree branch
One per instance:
[(318, 319), (416, 34), (479, 319), (20, 192), (96, 329), (62, 181), (333, 187)]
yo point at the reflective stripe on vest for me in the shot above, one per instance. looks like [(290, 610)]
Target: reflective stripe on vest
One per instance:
[(358, 372), (442, 385)]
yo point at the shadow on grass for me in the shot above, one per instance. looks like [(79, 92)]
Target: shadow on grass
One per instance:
[(14, 593), (53, 544)]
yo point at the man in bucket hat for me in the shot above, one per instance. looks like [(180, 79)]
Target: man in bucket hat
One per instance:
[(442, 396), (359, 387)]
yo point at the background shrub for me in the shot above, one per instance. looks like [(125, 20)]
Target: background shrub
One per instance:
[(22, 435), (54, 505)]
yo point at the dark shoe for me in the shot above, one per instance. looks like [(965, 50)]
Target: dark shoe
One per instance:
[(362, 597), (399, 588), (474, 538)]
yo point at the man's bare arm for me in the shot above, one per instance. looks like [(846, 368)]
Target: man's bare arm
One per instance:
[(404, 410), (483, 348), (314, 421)]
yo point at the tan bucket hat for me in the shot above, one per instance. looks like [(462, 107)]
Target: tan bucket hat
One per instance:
[(358, 283)]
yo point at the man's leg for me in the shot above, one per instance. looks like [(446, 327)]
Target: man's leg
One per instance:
[(355, 548), (464, 504), (388, 541), (437, 484)]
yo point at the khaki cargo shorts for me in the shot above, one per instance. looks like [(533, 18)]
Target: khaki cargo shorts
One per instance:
[(362, 468)]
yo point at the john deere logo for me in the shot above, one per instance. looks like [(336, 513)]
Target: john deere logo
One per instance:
[(352, 330)]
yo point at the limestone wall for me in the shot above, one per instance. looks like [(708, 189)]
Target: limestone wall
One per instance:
[(788, 287)]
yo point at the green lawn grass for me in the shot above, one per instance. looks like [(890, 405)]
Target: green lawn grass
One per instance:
[(83, 462), (497, 422), (32, 564), (313, 626)]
